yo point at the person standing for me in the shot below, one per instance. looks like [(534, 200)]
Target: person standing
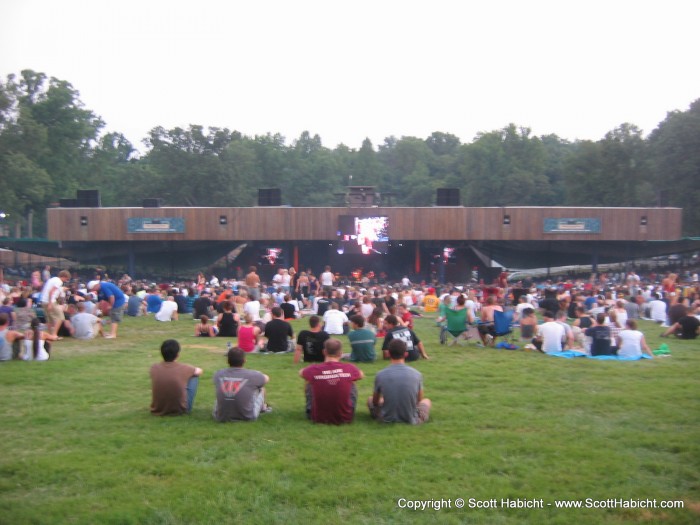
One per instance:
[(240, 393), (331, 394), (50, 293), (115, 297), (252, 282), (398, 391), (326, 279), (173, 385)]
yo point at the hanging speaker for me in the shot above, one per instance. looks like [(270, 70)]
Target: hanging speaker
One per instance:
[(447, 197), (269, 197)]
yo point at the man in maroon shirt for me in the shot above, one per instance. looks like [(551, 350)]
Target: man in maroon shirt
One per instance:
[(331, 394)]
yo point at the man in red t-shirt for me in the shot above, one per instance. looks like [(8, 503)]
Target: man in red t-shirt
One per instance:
[(331, 394)]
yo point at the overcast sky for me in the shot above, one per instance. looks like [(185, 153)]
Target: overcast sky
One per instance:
[(347, 70)]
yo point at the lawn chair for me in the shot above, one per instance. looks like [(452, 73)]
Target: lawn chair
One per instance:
[(455, 328), (503, 324)]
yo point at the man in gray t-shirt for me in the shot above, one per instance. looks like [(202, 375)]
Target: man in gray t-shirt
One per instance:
[(398, 391), (85, 326), (240, 393)]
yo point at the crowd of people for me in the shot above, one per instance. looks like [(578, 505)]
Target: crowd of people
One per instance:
[(598, 315)]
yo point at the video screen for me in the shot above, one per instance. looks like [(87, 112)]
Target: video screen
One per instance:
[(365, 235), (271, 256)]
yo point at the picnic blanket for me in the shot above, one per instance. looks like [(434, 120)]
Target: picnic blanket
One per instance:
[(570, 354)]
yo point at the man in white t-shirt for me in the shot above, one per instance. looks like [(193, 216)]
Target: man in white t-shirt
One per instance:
[(168, 310), (551, 334), (335, 320), (657, 309)]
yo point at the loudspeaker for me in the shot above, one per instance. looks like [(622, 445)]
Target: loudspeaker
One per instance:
[(89, 199), (67, 203), (448, 197), (151, 203), (269, 197)]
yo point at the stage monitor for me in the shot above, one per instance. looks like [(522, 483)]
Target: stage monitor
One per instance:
[(363, 235)]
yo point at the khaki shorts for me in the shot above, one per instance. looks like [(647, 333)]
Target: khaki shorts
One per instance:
[(54, 313)]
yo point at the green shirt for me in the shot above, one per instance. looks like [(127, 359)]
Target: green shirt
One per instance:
[(362, 342)]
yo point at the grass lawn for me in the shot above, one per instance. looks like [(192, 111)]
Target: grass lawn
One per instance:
[(80, 446)]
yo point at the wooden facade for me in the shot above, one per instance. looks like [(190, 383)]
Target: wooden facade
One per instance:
[(409, 224)]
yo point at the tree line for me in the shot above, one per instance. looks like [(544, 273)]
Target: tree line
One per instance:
[(51, 146)]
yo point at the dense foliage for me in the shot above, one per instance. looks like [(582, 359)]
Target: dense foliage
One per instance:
[(50, 145)]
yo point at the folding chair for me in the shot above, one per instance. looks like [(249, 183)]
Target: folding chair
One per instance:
[(502, 323), (455, 326)]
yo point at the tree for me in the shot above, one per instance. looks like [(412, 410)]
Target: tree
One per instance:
[(675, 157)]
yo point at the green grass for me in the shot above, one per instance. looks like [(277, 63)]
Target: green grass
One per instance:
[(80, 446)]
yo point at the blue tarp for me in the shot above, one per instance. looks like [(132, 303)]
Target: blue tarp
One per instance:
[(569, 354)]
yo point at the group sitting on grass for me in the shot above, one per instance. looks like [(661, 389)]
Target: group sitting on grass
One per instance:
[(330, 391)]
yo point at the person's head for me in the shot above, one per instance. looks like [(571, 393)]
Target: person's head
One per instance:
[(287, 298), (357, 321), (600, 319), (561, 315), (391, 320), (80, 306), (631, 324), (277, 312), (314, 321), (334, 306), (397, 349), (170, 349), (548, 314), (64, 275), (227, 306), (461, 301), (236, 357), (247, 318), (252, 269), (491, 300), (527, 312), (333, 348), (203, 319)]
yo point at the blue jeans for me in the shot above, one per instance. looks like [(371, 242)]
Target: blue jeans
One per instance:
[(191, 388)]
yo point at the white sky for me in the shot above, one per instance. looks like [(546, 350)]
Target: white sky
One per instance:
[(347, 70)]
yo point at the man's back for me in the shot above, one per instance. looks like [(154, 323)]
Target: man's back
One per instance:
[(362, 342), (399, 385), (333, 391), (168, 382), (278, 333), (237, 390)]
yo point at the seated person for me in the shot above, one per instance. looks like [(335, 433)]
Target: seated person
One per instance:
[(227, 321), (631, 342), (528, 324), (398, 391), (36, 343), (204, 329), (85, 325), (487, 329), (168, 310), (240, 393), (414, 346), (362, 341), (174, 385), (687, 327), (331, 394), (310, 342), (550, 335), (289, 307), (601, 336), (336, 322), (279, 333), (248, 334)]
